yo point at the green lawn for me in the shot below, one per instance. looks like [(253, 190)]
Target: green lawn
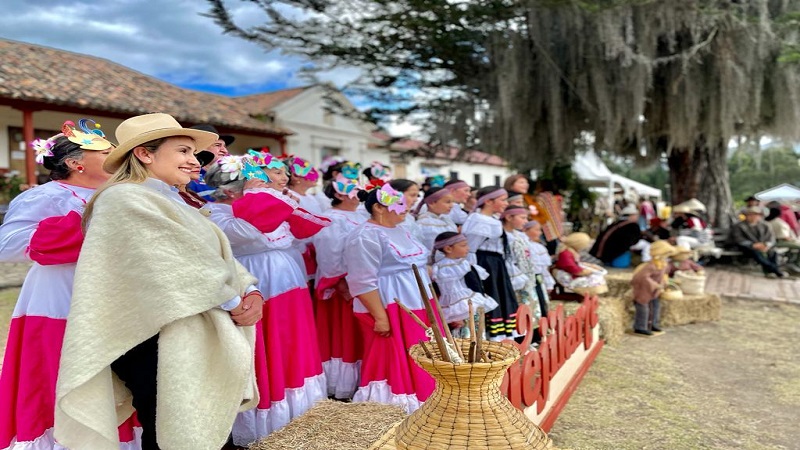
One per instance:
[(8, 298)]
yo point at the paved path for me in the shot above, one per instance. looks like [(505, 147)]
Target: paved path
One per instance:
[(13, 274), (752, 286)]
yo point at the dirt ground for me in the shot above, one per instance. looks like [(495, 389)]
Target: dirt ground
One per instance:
[(734, 384)]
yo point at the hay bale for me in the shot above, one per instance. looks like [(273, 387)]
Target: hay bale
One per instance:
[(618, 281), (612, 316), (334, 425), (691, 309)]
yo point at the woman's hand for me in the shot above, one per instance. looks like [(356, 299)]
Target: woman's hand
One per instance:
[(249, 310), (382, 327)]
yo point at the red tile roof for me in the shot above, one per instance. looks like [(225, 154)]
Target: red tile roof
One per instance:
[(450, 153), (33, 73), (263, 103)]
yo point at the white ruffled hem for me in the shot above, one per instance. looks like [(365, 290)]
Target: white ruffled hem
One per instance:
[(342, 377), (303, 398), (255, 424), (381, 392), (460, 309), (48, 442)]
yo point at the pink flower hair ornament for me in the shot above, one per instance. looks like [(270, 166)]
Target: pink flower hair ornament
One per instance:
[(391, 199), (43, 148)]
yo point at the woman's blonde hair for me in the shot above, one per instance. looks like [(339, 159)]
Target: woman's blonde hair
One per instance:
[(131, 170)]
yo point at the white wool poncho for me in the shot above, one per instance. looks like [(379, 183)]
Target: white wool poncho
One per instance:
[(149, 265)]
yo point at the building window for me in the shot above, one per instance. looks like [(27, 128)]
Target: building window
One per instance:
[(476, 181), (453, 175), (327, 117), (497, 180), (329, 151)]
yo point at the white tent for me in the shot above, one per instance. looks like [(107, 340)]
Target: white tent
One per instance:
[(784, 191), (592, 170)]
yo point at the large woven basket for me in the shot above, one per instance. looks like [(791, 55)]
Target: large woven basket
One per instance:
[(467, 410), (671, 293), (691, 283)]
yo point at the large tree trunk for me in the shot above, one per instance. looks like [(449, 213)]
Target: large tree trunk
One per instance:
[(702, 173)]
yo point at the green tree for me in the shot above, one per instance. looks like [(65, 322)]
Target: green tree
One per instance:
[(526, 79)]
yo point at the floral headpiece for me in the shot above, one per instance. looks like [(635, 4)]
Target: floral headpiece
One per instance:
[(264, 159), (437, 181), (346, 186), (390, 198), (351, 170), (242, 165), (302, 168), (89, 137), (380, 171)]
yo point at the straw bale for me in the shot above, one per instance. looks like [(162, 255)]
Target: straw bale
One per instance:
[(613, 316), (618, 281), (691, 309), (334, 425)]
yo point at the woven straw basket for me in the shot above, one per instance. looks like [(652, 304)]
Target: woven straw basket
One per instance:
[(467, 410), (671, 293), (691, 284)]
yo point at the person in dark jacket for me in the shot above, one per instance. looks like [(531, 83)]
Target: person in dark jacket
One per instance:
[(755, 239)]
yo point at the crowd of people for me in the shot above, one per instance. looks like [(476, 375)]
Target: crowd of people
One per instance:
[(185, 297)]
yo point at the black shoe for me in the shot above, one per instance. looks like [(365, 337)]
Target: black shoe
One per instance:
[(656, 329), (644, 332), (780, 274)]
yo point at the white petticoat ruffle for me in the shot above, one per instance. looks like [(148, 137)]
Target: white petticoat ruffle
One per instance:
[(381, 392), (303, 398), (343, 378), (48, 442), (255, 424), (460, 309)]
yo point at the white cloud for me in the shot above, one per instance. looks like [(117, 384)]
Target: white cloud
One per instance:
[(167, 39)]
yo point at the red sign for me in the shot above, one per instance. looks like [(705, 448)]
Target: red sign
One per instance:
[(528, 381)]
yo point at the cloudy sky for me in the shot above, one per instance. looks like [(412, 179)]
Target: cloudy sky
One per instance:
[(168, 39)]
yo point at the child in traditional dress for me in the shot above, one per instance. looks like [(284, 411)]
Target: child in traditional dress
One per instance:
[(540, 262), (574, 275), (513, 218), (488, 246), (649, 280), (459, 281), (436, 219), (340, 343)]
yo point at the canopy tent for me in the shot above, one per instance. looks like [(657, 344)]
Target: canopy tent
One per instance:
[(591, 170), (782, 192)]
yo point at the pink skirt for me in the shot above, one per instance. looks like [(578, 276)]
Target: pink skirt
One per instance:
[(28, 386), (388, 374), (292, 354), (340, 345)]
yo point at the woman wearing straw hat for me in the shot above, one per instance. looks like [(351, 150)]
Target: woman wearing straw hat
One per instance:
[(574, 275), (683, 260), (648, 282), (157, 296), (43, 225)]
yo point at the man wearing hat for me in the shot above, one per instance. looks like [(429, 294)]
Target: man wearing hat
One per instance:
[(620, 237), (209, 156), (755, 239)]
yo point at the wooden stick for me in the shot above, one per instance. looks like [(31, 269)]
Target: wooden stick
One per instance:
[(479, 334), (416, 318), (437, 333), (446, 327), (471, 355), (471, 321), (425, 349)]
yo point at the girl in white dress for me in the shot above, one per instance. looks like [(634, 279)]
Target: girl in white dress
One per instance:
[(459, 282), (540, 264), (436, 218), (488, 246)]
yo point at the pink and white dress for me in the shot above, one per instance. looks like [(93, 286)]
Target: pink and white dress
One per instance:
[(380, 258), (42, 225), (289, 374), (340, 342)]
